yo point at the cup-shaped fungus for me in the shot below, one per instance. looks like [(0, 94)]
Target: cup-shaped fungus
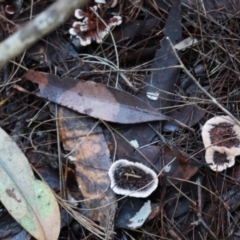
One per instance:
[(221, 138), (132, 179)]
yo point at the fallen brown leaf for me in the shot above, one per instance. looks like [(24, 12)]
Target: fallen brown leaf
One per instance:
[(92, 162), (94, 99)]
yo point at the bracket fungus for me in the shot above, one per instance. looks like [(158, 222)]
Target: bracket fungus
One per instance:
[(132, 179), (90, 27), (221, 138)]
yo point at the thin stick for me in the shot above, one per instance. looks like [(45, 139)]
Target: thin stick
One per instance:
[(199, 85), (199, 214)]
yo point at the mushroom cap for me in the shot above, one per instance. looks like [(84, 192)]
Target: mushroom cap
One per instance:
[(132, 179), (221, 138)]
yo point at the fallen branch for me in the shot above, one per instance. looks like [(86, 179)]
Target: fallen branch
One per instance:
[(44, 23)]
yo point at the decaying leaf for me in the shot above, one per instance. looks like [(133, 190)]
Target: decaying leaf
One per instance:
[(133, 29), (176, 206), (28, 200), (133, 212), (179, 168), (160, 84), (94, 99), (84, 139), (188, 115)]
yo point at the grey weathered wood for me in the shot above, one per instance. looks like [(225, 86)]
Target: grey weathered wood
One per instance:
[(44, 23)]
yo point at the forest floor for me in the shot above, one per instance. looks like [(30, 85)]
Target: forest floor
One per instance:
[(134, 80)]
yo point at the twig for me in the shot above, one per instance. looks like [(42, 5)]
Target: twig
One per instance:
[(214, 100), (199, 214), (44, 23)]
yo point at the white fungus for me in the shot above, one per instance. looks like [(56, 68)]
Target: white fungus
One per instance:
[(221, 138), (132, 179), (90, 28)]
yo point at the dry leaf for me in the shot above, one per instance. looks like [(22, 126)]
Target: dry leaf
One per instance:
[(94, 99), (180, 168), (86, 142), (160, 84)]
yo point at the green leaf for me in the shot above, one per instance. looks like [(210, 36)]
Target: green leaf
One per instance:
[(20, 191)]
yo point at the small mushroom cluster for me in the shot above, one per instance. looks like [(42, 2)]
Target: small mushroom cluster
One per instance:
[(221, 138), (132, 179), (92, 26)]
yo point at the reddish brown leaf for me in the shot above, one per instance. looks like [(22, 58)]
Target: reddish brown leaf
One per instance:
[(94, 99), (180, 168)]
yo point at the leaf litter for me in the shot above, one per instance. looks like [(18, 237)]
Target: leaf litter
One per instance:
[(136, 62)]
